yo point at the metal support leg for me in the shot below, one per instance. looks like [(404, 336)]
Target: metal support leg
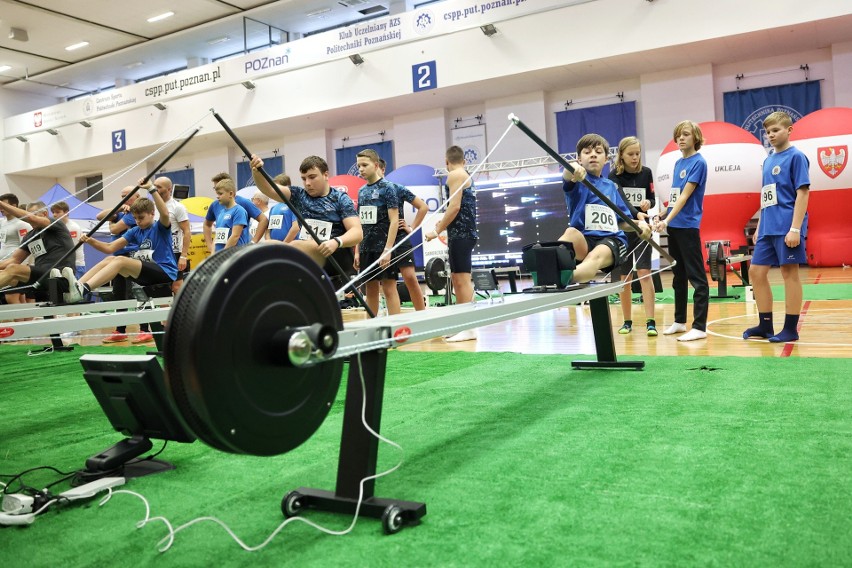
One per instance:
[(604, 343)]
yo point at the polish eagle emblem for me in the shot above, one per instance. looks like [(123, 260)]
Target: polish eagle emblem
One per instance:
[(832, 159)]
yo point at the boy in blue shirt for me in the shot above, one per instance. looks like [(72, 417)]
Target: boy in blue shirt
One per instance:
[(283, 225), (594, 229), (781, 230), (231, 219), (682, 219), (250, 208), (152, 263)]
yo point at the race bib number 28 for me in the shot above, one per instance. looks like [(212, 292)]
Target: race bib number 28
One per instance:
[(221, 237)]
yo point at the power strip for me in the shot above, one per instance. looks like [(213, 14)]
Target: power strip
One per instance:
[(91, 489), (82, 492)]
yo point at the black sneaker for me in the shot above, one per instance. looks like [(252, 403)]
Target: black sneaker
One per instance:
[(626, 328), (652, 328)]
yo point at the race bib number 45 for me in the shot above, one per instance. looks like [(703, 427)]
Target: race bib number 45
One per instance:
[(674, 195), (600, 218)]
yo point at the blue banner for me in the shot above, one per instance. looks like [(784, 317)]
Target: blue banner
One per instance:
[(345, 157), (748, 108), (185, 176), (273, 166), (613, 122)]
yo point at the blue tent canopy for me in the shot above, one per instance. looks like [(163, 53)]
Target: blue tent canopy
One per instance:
[(79, 209)]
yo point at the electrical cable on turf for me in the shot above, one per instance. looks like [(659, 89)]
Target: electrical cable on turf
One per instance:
[(166, 542), (437, 213)]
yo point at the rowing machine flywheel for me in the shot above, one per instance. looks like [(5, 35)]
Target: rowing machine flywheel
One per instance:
[(435, 274), (223, 350), (716, 258)]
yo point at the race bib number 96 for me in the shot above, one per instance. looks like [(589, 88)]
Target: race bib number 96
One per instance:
[(768, 196)]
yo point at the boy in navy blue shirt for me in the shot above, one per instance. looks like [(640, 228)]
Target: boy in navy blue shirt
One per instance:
[(781, 230)]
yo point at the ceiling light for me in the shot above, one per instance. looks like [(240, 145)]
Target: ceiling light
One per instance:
[(21, 138), (134, 65), (86, 123), (4, 68), (159, 106), (18, 34), (53, 131), (319, 12), (222, 39), (162, 16), (356, 59), (249, 85), (488, 29), (77, 46)]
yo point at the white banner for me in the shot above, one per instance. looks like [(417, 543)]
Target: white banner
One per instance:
[(472, 140), (430, 21)]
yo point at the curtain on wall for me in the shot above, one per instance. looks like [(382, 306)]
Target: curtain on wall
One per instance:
[(613, 122), (345, 157), (273, 166)]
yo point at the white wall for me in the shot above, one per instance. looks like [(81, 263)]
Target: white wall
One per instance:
[(307, 111)]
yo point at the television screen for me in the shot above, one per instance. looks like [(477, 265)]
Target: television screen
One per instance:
[(131, 390), (514, 212), (180, 191)]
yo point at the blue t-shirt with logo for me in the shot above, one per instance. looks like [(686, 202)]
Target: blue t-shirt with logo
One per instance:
[(783, 174), (589, 214), (154, 244), (130, 221), (692, 169), (252, 212), (280, 220), (227, 219)]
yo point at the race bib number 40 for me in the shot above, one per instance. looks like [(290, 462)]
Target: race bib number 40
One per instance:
[(768, 196), (321, 228), (600, 218)]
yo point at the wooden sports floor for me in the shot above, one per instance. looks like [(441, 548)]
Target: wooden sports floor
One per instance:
[(825, 328)]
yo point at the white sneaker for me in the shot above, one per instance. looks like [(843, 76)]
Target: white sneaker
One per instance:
[(692, 335), (466, 335), (75, 289), (675, 328), (54, 273)]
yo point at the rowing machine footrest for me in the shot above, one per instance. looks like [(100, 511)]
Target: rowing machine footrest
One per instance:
[(550, 264)]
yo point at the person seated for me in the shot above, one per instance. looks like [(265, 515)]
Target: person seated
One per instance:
[(49, 243), (152, 263), (594, 230)]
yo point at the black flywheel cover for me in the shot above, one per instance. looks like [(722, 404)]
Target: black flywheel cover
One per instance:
[(218, 350)]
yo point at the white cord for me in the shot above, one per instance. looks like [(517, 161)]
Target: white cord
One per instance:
[(166, 542)]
